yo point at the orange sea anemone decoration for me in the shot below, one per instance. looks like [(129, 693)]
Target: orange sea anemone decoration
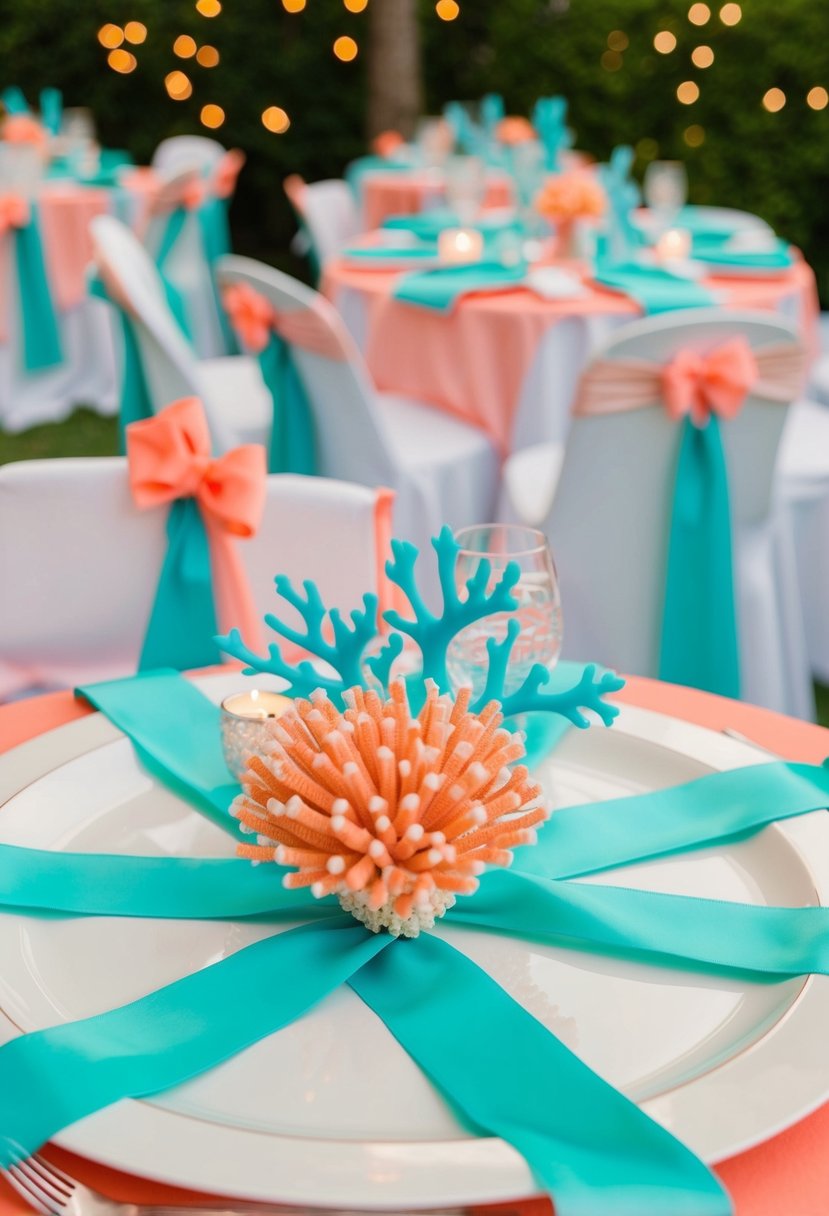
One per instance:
[(393, 814)]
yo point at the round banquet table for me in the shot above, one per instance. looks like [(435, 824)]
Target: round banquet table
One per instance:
[(787, 1175), (410, 191), (509, 361)]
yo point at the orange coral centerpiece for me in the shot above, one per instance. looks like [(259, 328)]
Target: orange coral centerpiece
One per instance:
[(571, 196), (393, 814)]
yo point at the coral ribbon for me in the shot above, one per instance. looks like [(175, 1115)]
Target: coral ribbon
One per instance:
[(254, 318), (14, 212), (169, 459), (717, 382)]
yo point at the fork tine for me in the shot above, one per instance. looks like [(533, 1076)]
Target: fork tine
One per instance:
[(20, 1183), (41, 1185), (50, 1176), (55, 1171)]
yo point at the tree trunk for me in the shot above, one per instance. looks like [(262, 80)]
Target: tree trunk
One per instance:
[(395, 87)]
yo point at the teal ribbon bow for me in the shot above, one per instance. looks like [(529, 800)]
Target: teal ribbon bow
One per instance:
[(38, 318), (588, 1145), (292, 447)]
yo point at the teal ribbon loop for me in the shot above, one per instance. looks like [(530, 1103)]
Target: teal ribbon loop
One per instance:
[(699, 645), (504, 1074), (39, 323), (293, 445), (51, 1078)]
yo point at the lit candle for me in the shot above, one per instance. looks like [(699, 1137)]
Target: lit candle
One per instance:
[(245, 722), (460, 245), (674, 245)]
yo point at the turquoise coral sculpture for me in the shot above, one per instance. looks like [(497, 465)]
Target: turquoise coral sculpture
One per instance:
[(344, 658)]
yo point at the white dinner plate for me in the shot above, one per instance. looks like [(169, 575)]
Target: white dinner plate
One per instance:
[(331, 1111)]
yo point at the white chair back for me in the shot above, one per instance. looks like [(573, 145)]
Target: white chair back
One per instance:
[(329, 212), (79, 580), (21, 168), (351, 441), (610, 519), (187, 152)]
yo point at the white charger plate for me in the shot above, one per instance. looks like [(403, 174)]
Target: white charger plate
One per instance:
[(331, 1111)]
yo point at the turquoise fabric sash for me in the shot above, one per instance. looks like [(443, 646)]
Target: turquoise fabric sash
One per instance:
[(293, 443), (169, 236), (38, 319), (440, 289), (215, 230), (700, 644), (135, 402)]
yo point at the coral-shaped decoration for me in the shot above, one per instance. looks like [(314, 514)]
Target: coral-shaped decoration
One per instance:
[(394, 814), (344, 664)]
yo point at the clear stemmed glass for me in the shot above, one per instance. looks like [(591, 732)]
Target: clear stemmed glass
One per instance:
[(665, 188), (539, 604), (465, 178)]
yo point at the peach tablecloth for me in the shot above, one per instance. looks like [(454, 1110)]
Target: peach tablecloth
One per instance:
[(404, 192), (476, 362), (786, 1176)]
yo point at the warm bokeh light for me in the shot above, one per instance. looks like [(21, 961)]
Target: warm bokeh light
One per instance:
[(184, 46), (135, 32), (208, 8), (345, 48), (122, 61), (730, 14), (774, 100), (212, 116), (618, 40), (702, 56), (447, 10), (694, 135), (178, 85), (207, 57), (293, 6), (647, 149), (664, 42), (817, 98), (110, 35), (687, 92), (698, 14), (355, 6), (611, 61), (276, 120)]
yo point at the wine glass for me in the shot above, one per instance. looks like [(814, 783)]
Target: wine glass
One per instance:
[(538, 611), (665, 188), (465, 178)]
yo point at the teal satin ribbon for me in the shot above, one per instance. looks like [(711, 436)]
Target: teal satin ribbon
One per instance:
[(54, 1077), (215, 230), (699, 644), (135, 402), (292, 447), (38, 319), (170, 234)]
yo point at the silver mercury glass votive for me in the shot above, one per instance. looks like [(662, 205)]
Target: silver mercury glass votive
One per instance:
[(245, 725)]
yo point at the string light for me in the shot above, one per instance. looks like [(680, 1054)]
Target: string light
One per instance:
[(817, 98), (110, 35), (611, 61), (178, 85), (122, 61), (207, 57), (355, 6), (135, 32), (276, 120), (184, 46), (730, 14), (447, 10), (212, 116), (694, 135), (774, 100), (618, 40), (698, 14), (702, 56), (208, 8), (687, 92), (345, 48), (293, 6), (664, 42)]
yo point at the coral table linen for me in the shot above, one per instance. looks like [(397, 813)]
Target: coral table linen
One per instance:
[(474, 363), (786, 1176)]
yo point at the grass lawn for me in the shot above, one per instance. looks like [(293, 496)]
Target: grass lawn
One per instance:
[(86, 433)]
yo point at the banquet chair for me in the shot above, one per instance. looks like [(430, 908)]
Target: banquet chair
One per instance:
[(187, 152), (327, 213), (237, 404), (608, 518), (443, 471), (79, 575)]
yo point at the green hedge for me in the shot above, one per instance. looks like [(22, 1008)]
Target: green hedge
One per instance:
[(774, 164)]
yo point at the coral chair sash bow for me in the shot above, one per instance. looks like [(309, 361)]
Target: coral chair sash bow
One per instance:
[(169, 461), (714, 382), (14, 212)]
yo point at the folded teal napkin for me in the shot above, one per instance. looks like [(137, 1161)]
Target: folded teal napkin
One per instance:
[(441, 288), (776, 258), (428, 225), (379, 255), (654, 289)]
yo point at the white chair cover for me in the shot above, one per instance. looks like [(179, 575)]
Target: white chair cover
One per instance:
[(187, 152), (610, 517), (329, 212), (80, 562), (442, 471), (236, 402)]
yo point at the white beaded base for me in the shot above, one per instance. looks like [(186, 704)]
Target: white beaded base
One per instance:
[(423, 916)]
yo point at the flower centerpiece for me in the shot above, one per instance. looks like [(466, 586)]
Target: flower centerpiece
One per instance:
[(569, 200)]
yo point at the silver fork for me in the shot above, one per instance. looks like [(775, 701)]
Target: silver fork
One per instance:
[(52, 1192)]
